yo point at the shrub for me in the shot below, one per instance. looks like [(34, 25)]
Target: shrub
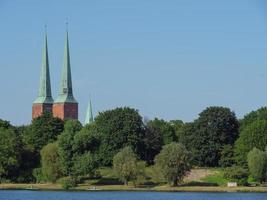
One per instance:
[(38, 175), (236, 174), (68, 182), (127, 167), (173, 162), (257, 164)]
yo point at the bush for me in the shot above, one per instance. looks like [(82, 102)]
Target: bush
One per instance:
[(50, 162), (127, 167), (173, 162), (257, 164), (236, 174), (68, 182), (252, 135)]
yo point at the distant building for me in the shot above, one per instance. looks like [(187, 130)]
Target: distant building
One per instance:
[(89, 114), (65, 106)]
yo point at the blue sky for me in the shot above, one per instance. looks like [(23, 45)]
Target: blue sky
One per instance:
[(168, 59)]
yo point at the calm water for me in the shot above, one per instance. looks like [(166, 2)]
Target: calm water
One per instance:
[(45, 195)]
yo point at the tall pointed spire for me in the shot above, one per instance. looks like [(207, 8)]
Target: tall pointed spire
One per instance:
[(65, 90), (45, 95), (89, 114), (65, 106)]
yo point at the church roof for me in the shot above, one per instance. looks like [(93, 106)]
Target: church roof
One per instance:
[(65, 90), (89, 114), (44, 94)]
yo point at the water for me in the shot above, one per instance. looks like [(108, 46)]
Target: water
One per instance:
[(61, 195)]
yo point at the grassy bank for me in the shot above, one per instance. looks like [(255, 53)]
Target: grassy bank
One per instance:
[(199, 180), (164, 188)]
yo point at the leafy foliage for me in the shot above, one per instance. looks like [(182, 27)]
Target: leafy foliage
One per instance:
[(257, 163), (206, 136), (253, 135), (227, 156), (118, 128), (85, 164), (153, 142), (260, 114), (65, 146), (43, 130), (11, 148), (68, 182), (165, 129), (50, 162), (127, 167), (236, 174), (173, 162)]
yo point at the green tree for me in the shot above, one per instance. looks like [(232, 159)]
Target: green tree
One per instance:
[(153, 142), (166, 129), (257, 164), (253, 135), (43, 130), (84, 164), (5, 124), (65, 146), (11, 148), (260, 114), (173, 162), (178, 127), (50, 162), (227, 158), (126, 165), (86, 140), (118, 128), (206, 136)]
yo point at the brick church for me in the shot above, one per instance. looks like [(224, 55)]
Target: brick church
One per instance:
[(65, 106)]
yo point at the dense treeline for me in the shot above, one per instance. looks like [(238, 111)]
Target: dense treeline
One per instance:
[(50, 149)]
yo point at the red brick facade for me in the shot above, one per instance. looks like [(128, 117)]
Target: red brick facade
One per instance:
[(39, 108), (65, 110)]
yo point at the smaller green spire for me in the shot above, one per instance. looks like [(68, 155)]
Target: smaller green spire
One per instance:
[(89, 114), (45, 94)]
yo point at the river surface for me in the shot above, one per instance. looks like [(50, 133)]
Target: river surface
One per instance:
[(98, 195)]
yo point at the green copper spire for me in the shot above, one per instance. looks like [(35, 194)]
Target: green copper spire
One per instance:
[(45, 95), (65, 90), (89, 114)]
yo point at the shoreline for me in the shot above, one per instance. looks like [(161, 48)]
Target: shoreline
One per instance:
[(163, 188)]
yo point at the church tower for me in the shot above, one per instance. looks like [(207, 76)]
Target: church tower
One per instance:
[(65, 106), (89, 114), (44, 101)]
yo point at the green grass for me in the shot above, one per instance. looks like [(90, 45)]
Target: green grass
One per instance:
[(217, 178)]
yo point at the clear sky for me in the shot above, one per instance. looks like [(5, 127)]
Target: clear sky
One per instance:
[(167, 58)]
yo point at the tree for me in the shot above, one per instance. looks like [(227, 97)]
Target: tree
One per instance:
[(43, 130), (227, 158), (164, 128), (11, 148), (153, 142), (65, 145), (206, 136), (5, 124), (178, 126), (253, 135), (50, 162), (118, 128), (173, 162), (84, 164), (86, 140), (260, 114), (257, 164), (126, 165)]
